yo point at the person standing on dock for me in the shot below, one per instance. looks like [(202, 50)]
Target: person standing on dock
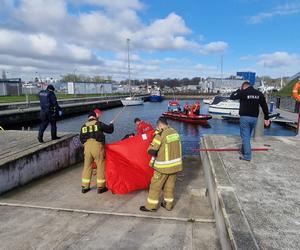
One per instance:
[(250, 100), (93, 138), (165, 150), (50, 110)]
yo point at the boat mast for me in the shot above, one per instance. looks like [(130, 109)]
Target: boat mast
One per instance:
[(128, 58), (221, 71)]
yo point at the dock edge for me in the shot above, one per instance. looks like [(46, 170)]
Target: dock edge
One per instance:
[(233, 229), (40, 161)]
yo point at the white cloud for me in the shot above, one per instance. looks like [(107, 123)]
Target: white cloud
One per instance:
[(42, 43), (282, 10), (41, 14), (43, 33), (214, 47), (278, 59), (114, 4), (32, 46), (79, 53), (123, 56), (199, 67)]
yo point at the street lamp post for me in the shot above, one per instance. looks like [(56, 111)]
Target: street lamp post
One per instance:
[(74, 80)]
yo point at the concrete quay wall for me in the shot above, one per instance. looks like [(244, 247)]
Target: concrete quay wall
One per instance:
[(32, 104), (256, 203), (13, 117), (23, 160)]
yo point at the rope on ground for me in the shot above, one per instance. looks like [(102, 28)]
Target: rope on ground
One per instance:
[(1, 128), (226, 149), (201, 220)]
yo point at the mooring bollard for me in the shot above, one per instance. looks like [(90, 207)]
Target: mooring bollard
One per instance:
[(259, 128), (298, 126), (296, 96)]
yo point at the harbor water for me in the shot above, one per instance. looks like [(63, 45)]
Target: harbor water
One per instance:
[(190, 133)]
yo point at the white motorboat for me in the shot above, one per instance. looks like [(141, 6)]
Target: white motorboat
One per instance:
[(131, 100), (207, 101), (224, 106)]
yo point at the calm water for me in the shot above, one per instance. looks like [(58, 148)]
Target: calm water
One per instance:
[(189, 133)]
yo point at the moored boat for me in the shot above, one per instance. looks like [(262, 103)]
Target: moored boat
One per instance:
[(132, 101), (156, 96), (207, 101), (223, 105), (196, 119)]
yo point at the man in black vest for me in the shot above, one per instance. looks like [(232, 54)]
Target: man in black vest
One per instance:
[(250, 100), (50, 110)]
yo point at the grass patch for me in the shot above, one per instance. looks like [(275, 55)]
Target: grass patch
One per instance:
[(34, 97), (288, 89)]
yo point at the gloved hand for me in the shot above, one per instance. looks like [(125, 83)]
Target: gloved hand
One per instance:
[(60, 113)]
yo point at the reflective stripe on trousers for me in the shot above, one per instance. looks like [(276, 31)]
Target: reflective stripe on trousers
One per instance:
[(168, 164)]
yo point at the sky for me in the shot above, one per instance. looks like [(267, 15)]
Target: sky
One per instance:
[(168, 39)]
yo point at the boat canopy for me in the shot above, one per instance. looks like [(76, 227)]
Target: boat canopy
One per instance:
[(219, 99)]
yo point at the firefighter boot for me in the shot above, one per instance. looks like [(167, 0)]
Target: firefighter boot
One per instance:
[(102, 190), (144, 209), (85, 189)]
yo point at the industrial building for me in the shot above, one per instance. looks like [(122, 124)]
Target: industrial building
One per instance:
[(10, 86), (89, 87), (248, 76), (226, 85)]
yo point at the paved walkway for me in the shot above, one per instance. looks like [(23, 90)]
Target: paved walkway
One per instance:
[(286, 117), (51, 213), (260, 200)]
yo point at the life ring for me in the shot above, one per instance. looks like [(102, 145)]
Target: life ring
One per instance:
[(296, 95)]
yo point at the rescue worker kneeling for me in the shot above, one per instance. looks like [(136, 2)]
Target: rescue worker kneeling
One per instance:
[(165, 149), (92, 136)]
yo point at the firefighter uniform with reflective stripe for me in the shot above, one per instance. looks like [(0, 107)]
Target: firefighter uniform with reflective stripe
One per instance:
[(91, 135), (167, 162)]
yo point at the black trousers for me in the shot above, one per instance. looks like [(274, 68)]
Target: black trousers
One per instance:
[(46, 118)]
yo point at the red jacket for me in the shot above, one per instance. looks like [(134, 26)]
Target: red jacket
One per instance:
[(143, 127)]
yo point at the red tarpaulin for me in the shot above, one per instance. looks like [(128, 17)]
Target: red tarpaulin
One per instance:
[(127, 164)]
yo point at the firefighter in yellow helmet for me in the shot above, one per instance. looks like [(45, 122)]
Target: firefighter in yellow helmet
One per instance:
[(165, 149), (92, 136)]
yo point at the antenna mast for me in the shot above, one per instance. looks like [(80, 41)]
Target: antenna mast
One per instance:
[(128, 58), (221, 71)]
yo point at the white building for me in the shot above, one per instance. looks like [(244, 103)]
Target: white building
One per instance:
[(90, 88), (206, 86), (225, 85), (192, 87)]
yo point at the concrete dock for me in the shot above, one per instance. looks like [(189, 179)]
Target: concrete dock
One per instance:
[(286, 117), (23, 158), (256, 204), (20, 114), (52, 213)]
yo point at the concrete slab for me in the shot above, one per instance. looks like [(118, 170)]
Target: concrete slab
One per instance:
[(23, 158), (24, 228), (62, 190), (259, 200), (53, 209)]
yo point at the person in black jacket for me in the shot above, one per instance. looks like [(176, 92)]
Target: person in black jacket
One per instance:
[(93, 138), (50, 110), (250, 100)]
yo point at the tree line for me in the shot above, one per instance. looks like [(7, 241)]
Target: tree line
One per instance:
[(83, 78), (170, 82)]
